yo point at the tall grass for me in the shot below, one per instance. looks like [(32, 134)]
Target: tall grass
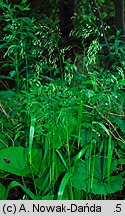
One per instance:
[(69, 142)]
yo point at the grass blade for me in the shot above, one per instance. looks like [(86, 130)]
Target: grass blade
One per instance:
[(31, 135), (63, 185), (17, 184)]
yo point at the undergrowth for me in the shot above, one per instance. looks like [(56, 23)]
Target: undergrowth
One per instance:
[(68, 141)]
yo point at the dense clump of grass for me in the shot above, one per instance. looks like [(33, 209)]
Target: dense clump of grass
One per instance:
[(72, 132)]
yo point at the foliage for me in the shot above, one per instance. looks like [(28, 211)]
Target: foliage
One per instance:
[(92, 175)]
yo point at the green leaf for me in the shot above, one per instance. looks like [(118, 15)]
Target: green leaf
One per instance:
[(81, 152), (31, 135), (121, 124), (103, 187), (26, 8), (43, 182), (5, 77), (85, 136), (15, 160), (109, 148), (62, 159), (48, 197), (16, 184), (103, 127), (91, 175), (7, 94), (64, 182), (3, 45), (13, 73), (23, 1), (2, 192)]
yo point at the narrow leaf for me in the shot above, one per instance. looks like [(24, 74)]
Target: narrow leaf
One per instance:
[(63, 185)]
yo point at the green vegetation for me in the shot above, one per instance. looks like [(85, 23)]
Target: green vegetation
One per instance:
[(62, 107)]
